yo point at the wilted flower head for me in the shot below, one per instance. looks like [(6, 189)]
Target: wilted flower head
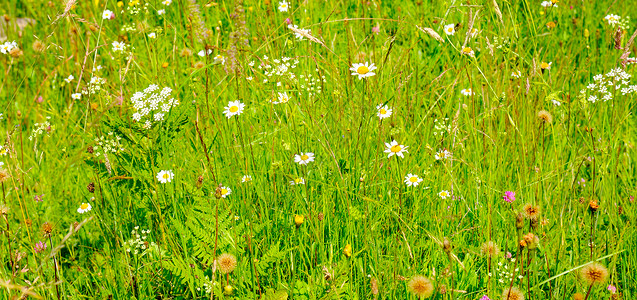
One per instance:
[(490, 249), (421, 286), (226, 263), (545, 116), (512, 294), (594, 273)]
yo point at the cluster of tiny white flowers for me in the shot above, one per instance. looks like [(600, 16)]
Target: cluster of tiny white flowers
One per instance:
[(617, 80), (8, 46), (136, 9), (151, 106), (311, 84), (138, 243), (40, 128), (94, 86), (505, 273), (109, 144), (278, 70), (129, 28), (278, 67), (441, 126), (208, 285)]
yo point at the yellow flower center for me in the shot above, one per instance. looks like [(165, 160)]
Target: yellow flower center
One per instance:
[(383, 111), (443, 194), (362, 70), (544, 65), (298, 180), (450, 29), (166, 176), (395, 148), (466, 50), (84, 206), (234, 109), (413, 179), (304, 157), (224, 191)]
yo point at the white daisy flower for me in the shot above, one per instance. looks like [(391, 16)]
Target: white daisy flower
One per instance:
[(450, 29), (516, 74), (161, 12), (412, 180), (202, 53), (384, 111), (167, 2), (118, 46), (304, 158), (394, 148), (165, 176), (556, 103), (76, 96), (443, 194), (152, 35), (468, 51), (107, 15), (549, 4), (283, 6), (246, 178), (297, 181), (283, 98), (225, 191), (220, 58), (612, 19), (69, 79), (233, 108), (85, 207), (8, 46), (363, 70), (466, 92), (3, 151), (442, 154), (546, 66)]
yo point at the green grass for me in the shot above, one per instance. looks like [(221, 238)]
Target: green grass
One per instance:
[(364, 233)]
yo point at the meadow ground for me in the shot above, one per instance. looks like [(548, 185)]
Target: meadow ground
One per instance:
[(311, 149)]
